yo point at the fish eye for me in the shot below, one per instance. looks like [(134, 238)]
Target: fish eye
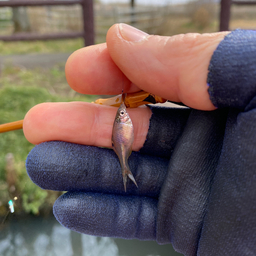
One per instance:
[(122, 113)]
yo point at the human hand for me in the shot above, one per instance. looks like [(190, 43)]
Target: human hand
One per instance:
[(175, 68), (174, 184)]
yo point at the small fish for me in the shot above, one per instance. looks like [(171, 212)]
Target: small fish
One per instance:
[(122, 140)]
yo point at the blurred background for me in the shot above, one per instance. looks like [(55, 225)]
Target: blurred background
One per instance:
[(36, 39)]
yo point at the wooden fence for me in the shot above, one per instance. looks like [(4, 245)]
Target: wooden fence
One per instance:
[(149, 19), (88, 21), (46, 22), (226, 10)]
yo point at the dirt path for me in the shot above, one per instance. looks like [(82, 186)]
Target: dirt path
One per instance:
[(30, 61)]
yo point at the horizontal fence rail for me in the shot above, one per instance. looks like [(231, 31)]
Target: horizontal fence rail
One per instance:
[(87, 16), (17, 3), (237, 2), (62, 22)]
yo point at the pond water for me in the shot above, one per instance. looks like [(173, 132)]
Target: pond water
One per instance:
[(38, 236)]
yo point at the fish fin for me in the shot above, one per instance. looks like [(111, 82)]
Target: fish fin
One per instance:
[(127, 172)]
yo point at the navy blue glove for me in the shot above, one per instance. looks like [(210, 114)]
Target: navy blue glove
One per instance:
[(97, 203), (195, 174)]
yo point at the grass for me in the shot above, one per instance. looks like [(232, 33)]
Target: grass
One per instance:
[(14, 103), (243, 24), (21, 89), (53, 80), (183, 25), (51, 46)]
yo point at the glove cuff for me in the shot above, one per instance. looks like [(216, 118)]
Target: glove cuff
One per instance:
[(232, 70)]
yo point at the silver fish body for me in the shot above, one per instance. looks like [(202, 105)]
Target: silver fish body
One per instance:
[(122, 140)]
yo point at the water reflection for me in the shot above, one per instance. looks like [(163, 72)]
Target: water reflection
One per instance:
[(46, 237)]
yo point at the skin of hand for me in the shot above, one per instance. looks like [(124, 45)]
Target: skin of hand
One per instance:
[(174, 67)]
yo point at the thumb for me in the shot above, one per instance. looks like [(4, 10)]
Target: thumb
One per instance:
[(174, 68)]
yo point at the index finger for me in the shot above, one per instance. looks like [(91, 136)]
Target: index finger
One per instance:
[(91, 70)]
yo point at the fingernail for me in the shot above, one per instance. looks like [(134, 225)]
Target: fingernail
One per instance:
[(130, 33)]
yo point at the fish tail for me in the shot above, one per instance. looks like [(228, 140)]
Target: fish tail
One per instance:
[(126, 172)]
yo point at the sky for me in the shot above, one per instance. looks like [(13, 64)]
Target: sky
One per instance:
[(147, 2)]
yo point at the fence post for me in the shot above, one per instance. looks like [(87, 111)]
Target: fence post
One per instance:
[(225, 7), (88, 21), (133, 12)]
